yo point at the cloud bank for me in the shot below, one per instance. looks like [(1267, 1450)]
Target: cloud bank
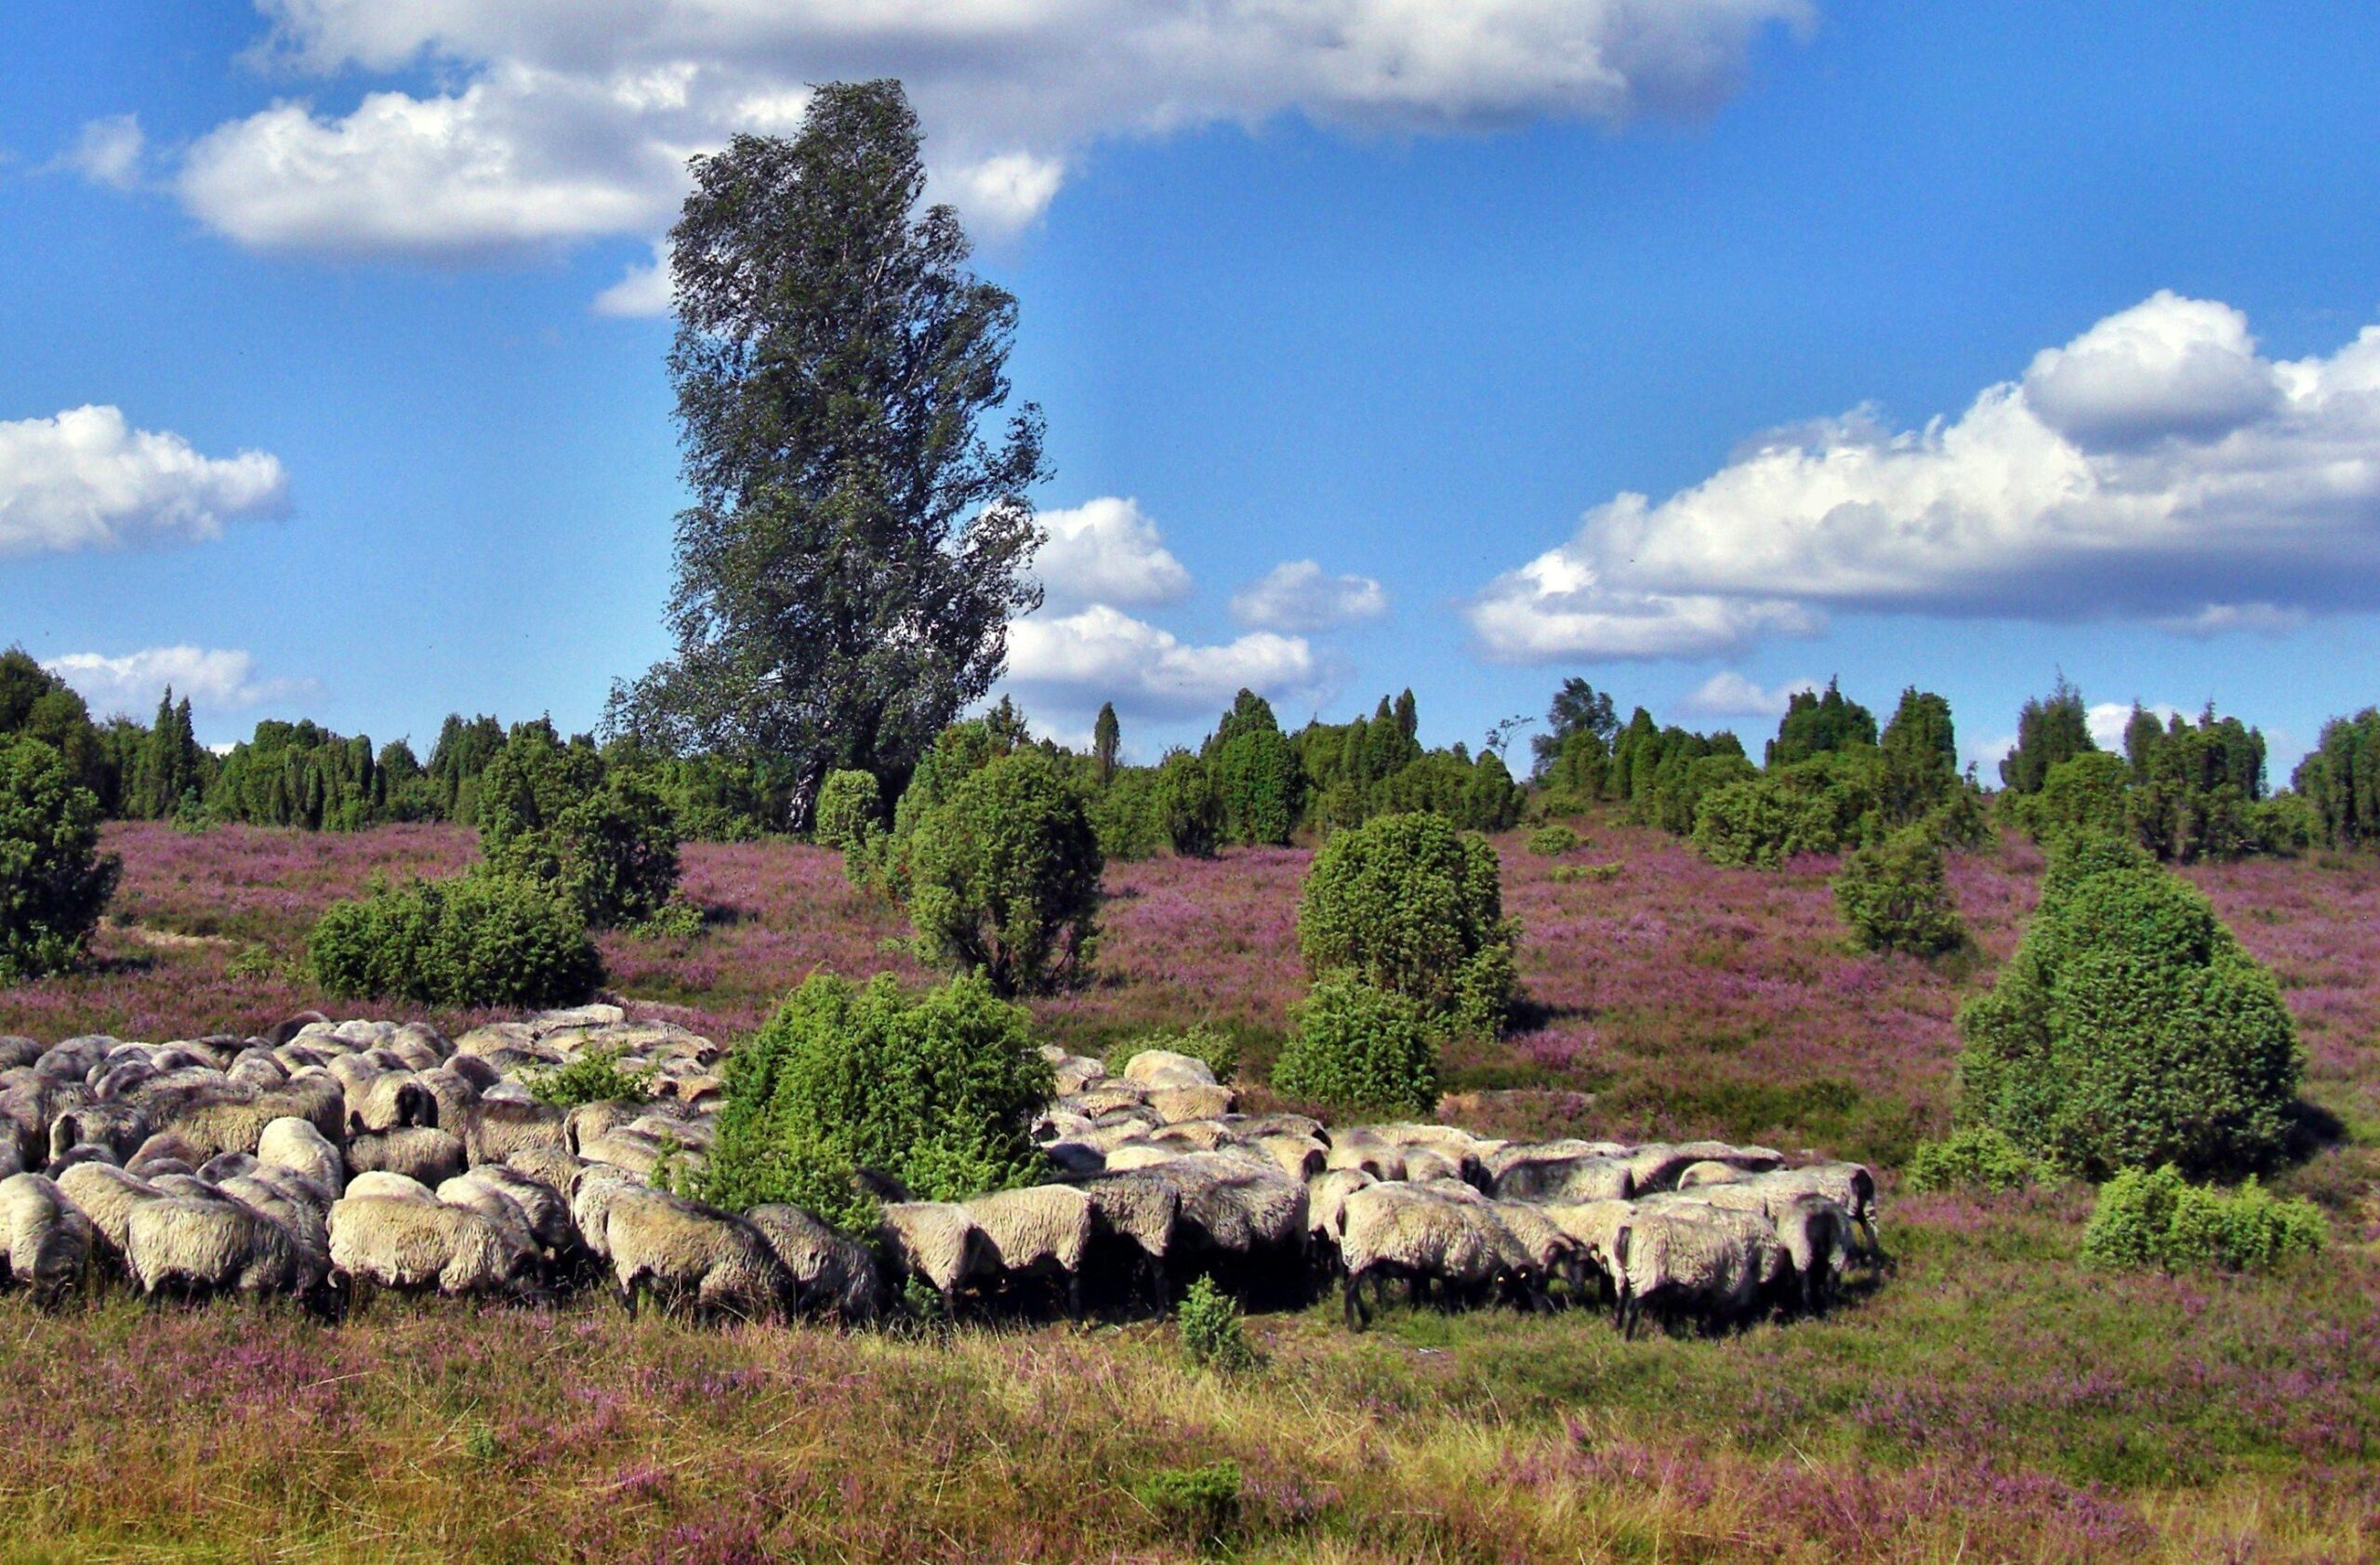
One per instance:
[(1298, 595), (2156, 468), (86, 479), (563, 120), (215, 679)]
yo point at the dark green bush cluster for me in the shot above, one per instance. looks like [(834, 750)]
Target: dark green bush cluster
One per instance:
[(1409, 905), (1259, 780), (1598, 874), (1212, 1335), (54, 881), (557, 814), (477, 939), (2340, 780), (1829, 801), (1216, 1048), (1003, 877), (1355, 1046), (594, 1077), (1977, 1158), (1895, 895), (1553, 842), (850, 819), (2131, 1028), (2161, 1219), (1198, 1505), (936, 1090)]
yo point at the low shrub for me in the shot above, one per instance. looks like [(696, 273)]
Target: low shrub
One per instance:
[(937, 1092), (2161, 1219), (1979, 1158), (554, 814), (1219, 1049), (850, 810), (1198, 1505), (1895, 895), (1597, 874), (594, 1077), (1004, 877), (1829, 801), (54, 881), (674, 920), (1407, 904), (1126, 818), (1212, 1335), (1553, 842), (476, 939), (1354, 1046)]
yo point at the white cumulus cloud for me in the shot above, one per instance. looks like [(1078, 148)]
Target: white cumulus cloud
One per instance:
[(1075, 661), (215, 679), (1106, 551), (1298, 595), (2109, 719), (2155, 468), (557, 120), (86, 479), (1729, 694)]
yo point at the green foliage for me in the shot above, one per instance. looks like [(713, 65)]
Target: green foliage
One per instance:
[(1217, 1048), (1212, 1336), (2159, 1219), (2194, 787), (1686, 774), (2049, 729), (1580, 710), (1475, 795), (1553, 842), (1894, 896), (557, 814), (1921, 757), (477, 939), (1106, 744), (2340, 779), (54, 881), (295, 773), (1407, 902), (1818, 805), (1186, 804), (457, 761), (1973, 1158), (1598, 874), (851, 820), (856, 546), (39, 705), (674, 920), (1820, 724), (1199, 1505), (2131, 1028), (1257, 778), (1357, 1047), (938, 1092), (1004, 877), (594, 1077), (1126, 818)]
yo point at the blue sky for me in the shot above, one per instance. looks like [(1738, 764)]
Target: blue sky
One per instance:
[(1354, 331)]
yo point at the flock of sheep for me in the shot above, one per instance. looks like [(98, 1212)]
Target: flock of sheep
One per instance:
[(329, 1158)]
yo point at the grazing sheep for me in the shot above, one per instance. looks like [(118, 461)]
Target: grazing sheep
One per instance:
[(833, 1275), (456, 1095), (1074, 1073), (294, 1143), (227, 1165), (1042, 1231), (1850, 1186), (625, 1146), (937, 1242), (1423, 1166), (1750, 1159), (1104, 1098), (1174, 1105), (1595, 1226), (1563, 1179), (1686, 1260), (1300, 1157), (233, 1116), (542, 1206), (1393, 1231), (686, 1253), (392, 1100), (1163, 1068), (592, 1190), (44, 1239), (379, 1185), (556, 1166), (497, 1206), (257, 1069), (1709, 1172), (15, 1051), (1816, 1233), (1326, 1193), (306, 1224), (1242, 1220), (432, 1156), (1197, 1135), (1133, 1215), (165, 1147), (498, 1128), (589, 1121), (106, 1195), (119, 1127), (196, 1246), (407, 1244)]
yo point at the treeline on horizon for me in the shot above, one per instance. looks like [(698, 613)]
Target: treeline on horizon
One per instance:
[(1832, 777)]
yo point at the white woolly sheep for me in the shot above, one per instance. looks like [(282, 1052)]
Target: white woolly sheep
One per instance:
[(197, 1246), (1686, 1259), (686, 1253), (939, 1243), (408, 1245), (1393, 1231), (1816, 1232), (432, 1156), (1134, 1215), (1163, 1068), (1042, 1231), (294, 1143), (44, 1239), (833, 1275), (496, 1128)]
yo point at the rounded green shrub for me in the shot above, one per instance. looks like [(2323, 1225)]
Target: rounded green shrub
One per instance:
[(2146, 1218), (1552, 841), (1212, 1336), (1832, 801), (1126, 818), (1895, 896), (477, 939), (1977, 1158), (553, 813), (2131, 1028), (1355, 1046), (594, 1077), (54, 881), (1407, 904), (1188, 809), (2082, 794), (849, 811), (1004, 877), (937, 1092), (1261, 785)]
